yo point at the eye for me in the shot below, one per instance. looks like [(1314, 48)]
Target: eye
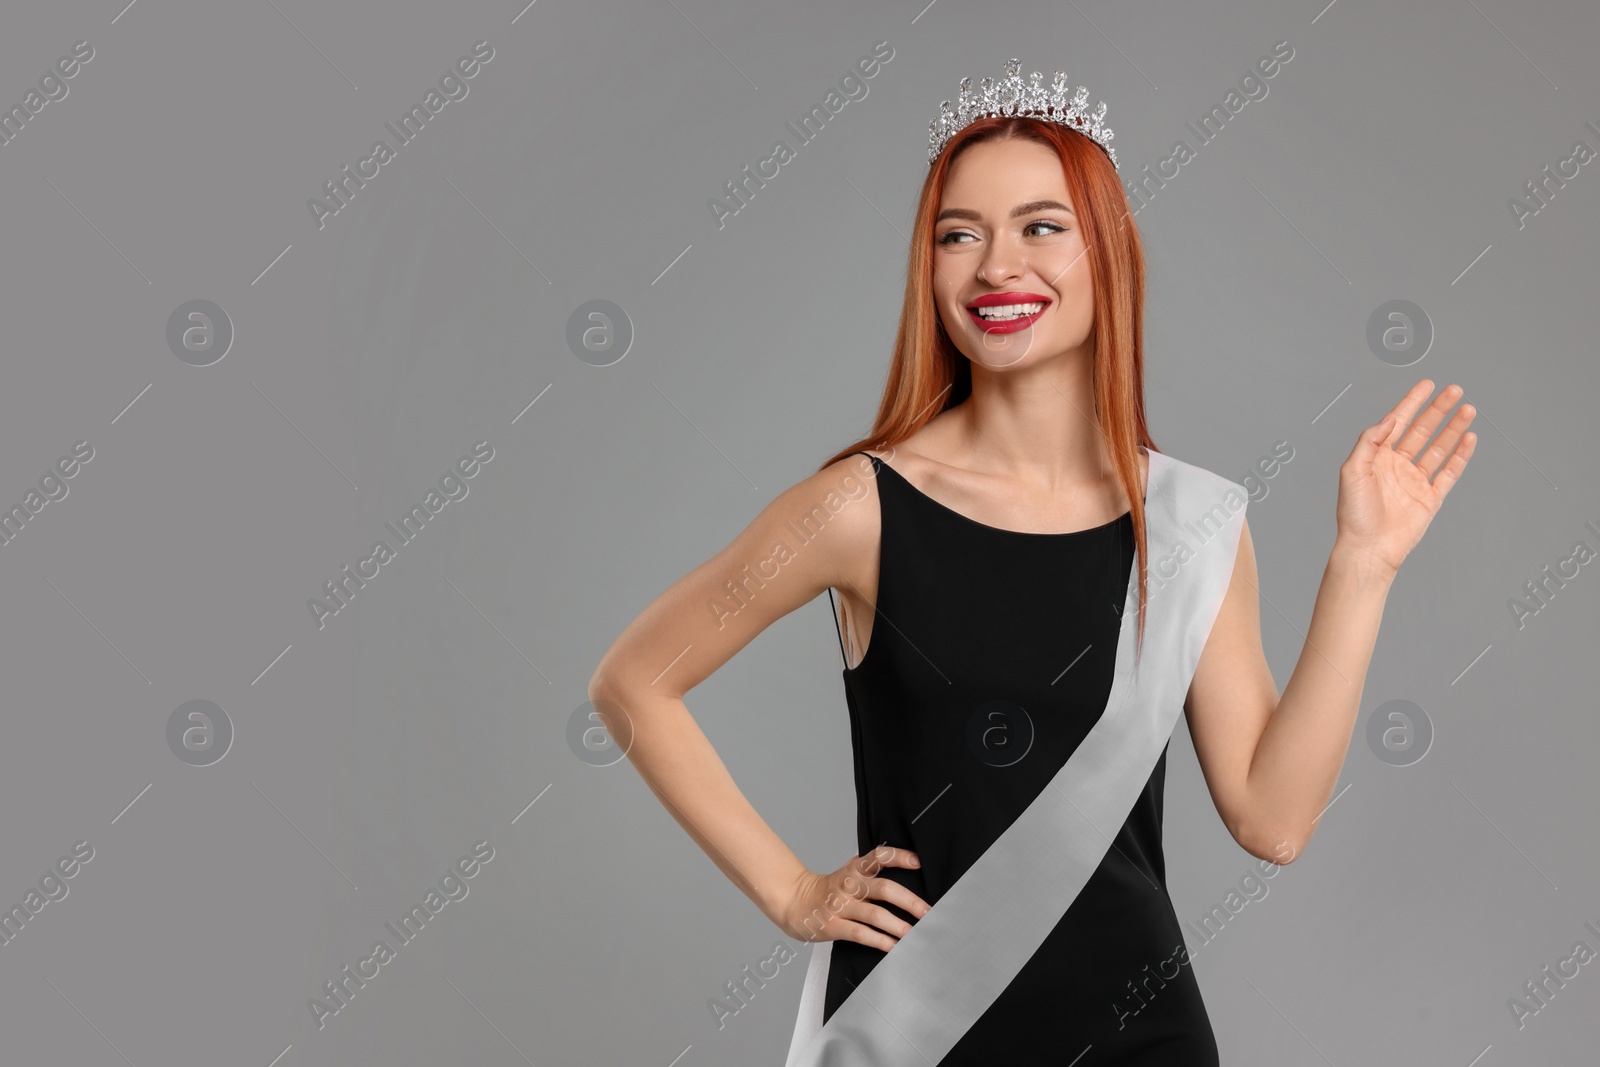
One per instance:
[(953, 236)]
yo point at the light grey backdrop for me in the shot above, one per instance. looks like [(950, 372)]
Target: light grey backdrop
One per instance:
[(433, 711)]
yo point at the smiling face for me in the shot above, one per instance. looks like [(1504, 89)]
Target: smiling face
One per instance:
[(1010, 275)]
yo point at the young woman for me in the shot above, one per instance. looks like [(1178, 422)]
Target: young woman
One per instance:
[(1030, 592)]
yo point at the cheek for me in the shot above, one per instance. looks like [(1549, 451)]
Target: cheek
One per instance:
[(1078, 312), (1074, 285), (1077, 289), (1075, 314), (944, 299)]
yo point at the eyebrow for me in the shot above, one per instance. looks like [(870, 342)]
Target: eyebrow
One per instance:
[(1021, 209)]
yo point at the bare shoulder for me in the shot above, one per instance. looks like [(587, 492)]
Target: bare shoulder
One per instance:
[(821, 532), (825, 527), (837, 509)]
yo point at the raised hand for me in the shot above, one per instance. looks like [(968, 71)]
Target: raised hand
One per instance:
[(1388, 494)]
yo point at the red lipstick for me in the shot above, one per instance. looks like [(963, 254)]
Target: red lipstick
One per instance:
[(1007, 325)]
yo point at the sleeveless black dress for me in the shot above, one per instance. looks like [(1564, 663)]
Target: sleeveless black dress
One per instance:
[(991, 657)]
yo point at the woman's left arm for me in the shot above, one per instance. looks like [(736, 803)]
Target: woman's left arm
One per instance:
[(1272, 762)]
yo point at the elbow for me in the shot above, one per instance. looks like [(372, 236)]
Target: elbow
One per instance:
[(608, 706), (1282, 852), (1277, 845), (598, 683), (606, 680), (604, 692)]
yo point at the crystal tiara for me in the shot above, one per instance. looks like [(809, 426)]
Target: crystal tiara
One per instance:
[(1014, 98)]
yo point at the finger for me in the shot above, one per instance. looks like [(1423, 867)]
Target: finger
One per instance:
[(1407, 407), (897, 894), (1368, 443), (863, 935), (1412, 440), (1430, 461), (1450, 473), (878, 916), (885, 856), (855, 878)]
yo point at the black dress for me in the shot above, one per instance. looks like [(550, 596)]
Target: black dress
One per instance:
[(990, 658)]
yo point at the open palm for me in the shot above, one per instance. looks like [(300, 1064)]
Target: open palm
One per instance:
[(1388, 494)]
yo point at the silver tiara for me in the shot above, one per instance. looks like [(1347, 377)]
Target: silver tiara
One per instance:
[(1014, 98)]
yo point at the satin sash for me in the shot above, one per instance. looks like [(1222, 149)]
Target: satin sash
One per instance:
[(944, 974)]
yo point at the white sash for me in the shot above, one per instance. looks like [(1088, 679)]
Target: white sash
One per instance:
[(944, 974)]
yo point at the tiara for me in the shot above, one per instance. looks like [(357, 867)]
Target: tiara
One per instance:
[(1012, 98)]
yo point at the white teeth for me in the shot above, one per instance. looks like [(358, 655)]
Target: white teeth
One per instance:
[(1002, 312)]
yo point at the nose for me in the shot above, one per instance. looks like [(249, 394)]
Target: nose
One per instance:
[(1002, 262)]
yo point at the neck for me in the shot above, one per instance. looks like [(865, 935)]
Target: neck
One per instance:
[(1038, 423)]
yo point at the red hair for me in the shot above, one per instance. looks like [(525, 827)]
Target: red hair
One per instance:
[(926, 363)]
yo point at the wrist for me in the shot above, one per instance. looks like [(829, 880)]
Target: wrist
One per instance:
[(776, 894), (1361, 564)]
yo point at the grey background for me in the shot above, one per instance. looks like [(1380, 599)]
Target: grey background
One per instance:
[(429, 313)]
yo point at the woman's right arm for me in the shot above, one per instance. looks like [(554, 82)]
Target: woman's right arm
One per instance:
[(696, 626)]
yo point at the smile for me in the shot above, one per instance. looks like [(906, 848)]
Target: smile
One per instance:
[(1007, 312)]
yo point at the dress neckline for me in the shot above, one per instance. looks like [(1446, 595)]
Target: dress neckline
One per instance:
[(1124, 517)]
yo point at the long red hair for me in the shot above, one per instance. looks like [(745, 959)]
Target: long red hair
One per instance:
[(926, 363)]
